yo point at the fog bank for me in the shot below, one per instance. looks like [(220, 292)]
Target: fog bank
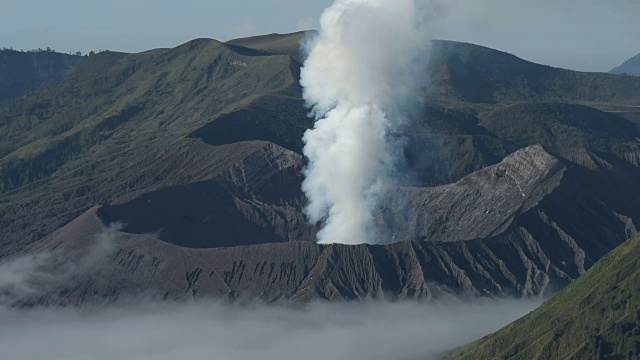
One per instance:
[(215, 331)]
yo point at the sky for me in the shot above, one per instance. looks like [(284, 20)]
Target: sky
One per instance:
[(589, 35)]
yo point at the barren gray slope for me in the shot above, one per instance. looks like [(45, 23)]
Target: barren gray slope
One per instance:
[(480, 205), (544, 239)]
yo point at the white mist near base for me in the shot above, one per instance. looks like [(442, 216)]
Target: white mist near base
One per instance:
[(209, 330), (365, 62)]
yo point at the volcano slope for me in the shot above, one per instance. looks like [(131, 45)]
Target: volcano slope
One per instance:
[(194, 154), (120, 125), (596, 317), (543, 230), (23, 72)]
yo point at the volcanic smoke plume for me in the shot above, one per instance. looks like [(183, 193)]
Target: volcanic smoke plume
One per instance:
[(363, 65)]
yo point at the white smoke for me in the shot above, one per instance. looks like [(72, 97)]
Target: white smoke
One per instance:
[(362, 66)]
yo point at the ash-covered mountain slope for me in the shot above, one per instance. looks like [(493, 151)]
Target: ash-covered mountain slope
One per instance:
[(256, 200), (560, 221)]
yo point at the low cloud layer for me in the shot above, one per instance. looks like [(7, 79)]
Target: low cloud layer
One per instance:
[(214, 331)]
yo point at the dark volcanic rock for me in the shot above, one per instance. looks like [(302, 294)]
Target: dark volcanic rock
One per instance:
[(550, 222), (257, 200), (481, 205), (190, 162)]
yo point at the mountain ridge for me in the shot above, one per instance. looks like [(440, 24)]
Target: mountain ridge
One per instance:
[(472, 73), (212, 132)]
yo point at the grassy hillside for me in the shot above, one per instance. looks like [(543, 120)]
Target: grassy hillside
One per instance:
[(472, 73), (630, 67), (564, 126), (596, 317), (138, 97), (22, 72), (113, 126)]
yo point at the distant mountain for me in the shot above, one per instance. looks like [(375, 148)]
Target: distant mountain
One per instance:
[(511, 171), (22, 72), (596, 317), (119, 114), (629, 67)]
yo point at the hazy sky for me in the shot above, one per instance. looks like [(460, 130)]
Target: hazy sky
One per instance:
[(581, 34)]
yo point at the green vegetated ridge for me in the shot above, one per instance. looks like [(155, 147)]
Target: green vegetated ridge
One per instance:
[(472, 73), (137, 97), (596, 317), (22, 72), (89, 138)]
